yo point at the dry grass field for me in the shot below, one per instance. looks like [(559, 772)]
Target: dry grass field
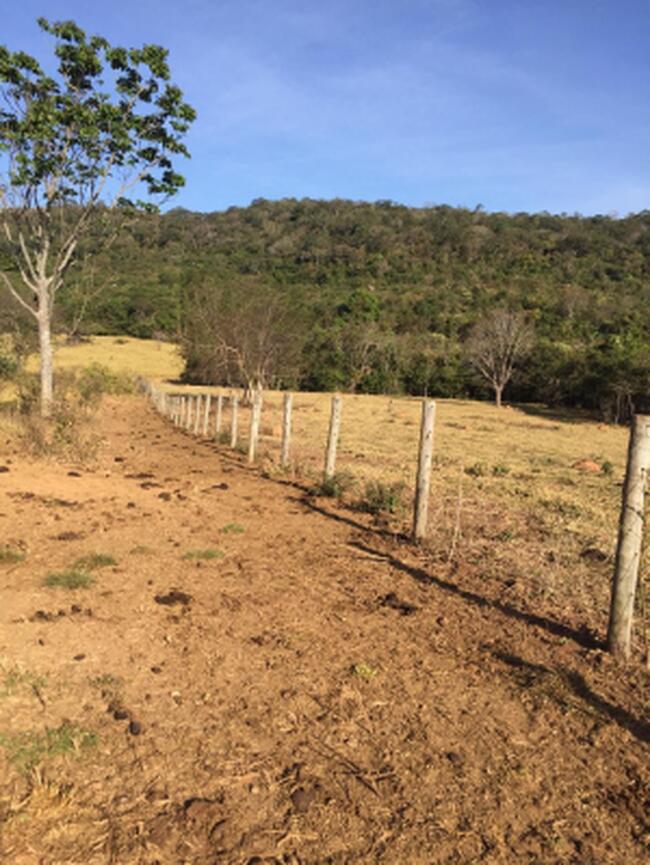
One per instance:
[(208, 663)]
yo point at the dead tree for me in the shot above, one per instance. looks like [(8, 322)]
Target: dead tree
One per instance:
[(496, 344)]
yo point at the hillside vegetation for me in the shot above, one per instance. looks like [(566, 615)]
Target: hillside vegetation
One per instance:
[(381, 297)]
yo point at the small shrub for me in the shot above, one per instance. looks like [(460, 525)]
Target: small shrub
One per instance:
[(232, 529), (9, 555), (94, 560), (202, 554), (500, 470), (96, 380), (14, 349), (26, 750), (67, 432), (383, 498), (336, 486), (607, 468), (70, 579)]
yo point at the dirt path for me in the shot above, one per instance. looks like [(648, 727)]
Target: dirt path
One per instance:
[(316, 692)]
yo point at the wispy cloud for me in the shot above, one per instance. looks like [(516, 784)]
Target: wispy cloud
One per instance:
[(516, 105)]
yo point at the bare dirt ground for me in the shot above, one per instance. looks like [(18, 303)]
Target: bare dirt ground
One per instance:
[(322, 692)]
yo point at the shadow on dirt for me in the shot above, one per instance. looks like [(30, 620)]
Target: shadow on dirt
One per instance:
[(558, 684), (584, 637)]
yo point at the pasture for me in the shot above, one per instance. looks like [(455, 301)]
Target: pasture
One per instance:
[(509, 488), (203, 661)]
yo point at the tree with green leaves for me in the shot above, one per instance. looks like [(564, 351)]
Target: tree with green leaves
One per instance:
[(94, 139)]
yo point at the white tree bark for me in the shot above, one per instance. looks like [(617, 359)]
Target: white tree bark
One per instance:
[(46, 359)]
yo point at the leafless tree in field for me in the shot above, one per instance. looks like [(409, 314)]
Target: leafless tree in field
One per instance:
[(242, 333), (496, 344)]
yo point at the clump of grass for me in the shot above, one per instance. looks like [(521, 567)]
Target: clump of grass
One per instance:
[(363, 671), (14, 678), (382, 497), (106, 681), (26, 750), (202, 554), (9, 555), (477, 470), (607, 468), (334, 487), (142, 550), (72, 578), (500, 470), (94, 560), (569, 510), (232, 529)]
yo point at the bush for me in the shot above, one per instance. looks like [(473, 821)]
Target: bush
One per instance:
[(76, 393), (96, 380), (9, 359), (65, 433), (336, 486), (383, 498)]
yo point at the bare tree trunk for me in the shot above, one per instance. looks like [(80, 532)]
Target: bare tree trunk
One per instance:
[(498, 391), (46, 358)]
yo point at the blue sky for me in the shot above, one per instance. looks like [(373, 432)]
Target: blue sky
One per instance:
[(511, 104)]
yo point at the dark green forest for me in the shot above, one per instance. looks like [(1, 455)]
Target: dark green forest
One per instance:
[(379, 297)]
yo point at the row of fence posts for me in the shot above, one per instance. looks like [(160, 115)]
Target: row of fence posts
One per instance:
[(192, 412)]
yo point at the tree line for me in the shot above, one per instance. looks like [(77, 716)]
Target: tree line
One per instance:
[(380, 297)]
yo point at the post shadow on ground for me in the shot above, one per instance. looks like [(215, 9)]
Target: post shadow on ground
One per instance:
[(583, 636), (307, 502), (576, 683)]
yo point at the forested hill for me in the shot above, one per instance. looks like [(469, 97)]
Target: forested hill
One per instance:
[(416, 278)]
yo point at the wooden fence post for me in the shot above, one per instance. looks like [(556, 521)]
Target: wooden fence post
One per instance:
[(630, 539), (423, 482), (333, 437), (206, 413), (198, 400), (233, 421), (254, 429), (190, 410), (285, 448), (183, 421), (217, 417)]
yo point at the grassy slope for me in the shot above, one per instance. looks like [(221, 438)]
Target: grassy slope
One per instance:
[(121, 354)]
